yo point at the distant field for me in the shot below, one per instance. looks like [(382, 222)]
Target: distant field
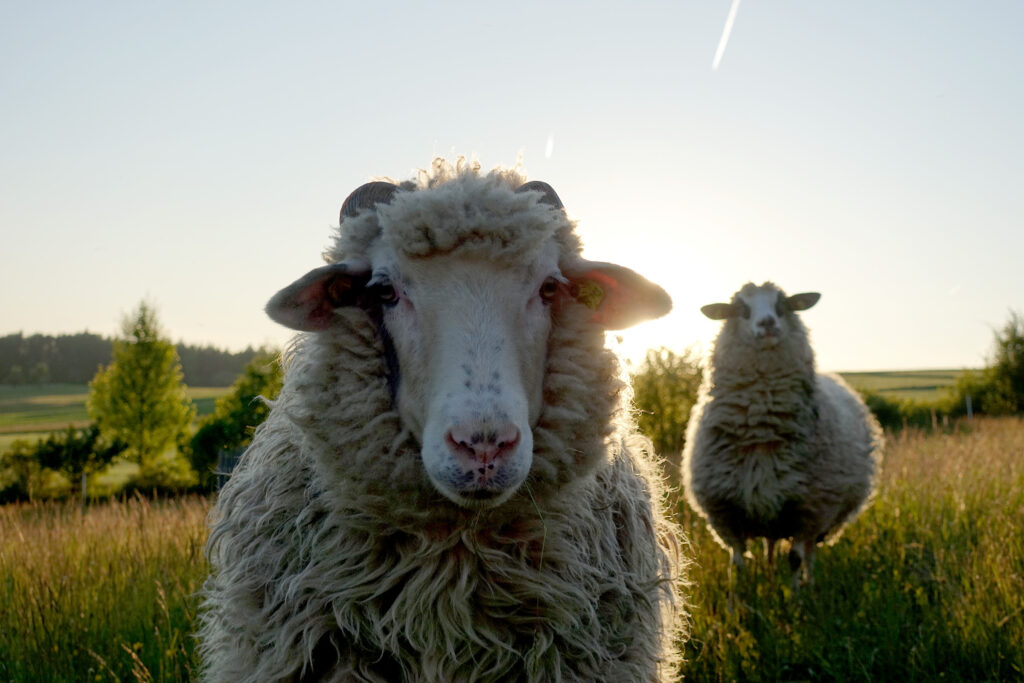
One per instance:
[(919, 385), (31, 411)]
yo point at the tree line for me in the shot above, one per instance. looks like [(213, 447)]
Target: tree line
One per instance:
[(142, 414), (74, 358)]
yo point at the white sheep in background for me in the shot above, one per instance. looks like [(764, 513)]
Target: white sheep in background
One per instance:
[(774, 449), (449, 487)]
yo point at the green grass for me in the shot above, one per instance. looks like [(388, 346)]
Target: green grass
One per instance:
[(927, 585), (104, 596), (926, 386), (32, 411), (28, 407)]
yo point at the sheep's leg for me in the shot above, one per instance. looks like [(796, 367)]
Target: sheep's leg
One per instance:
[(808, 565), (738, 550), (801, 557), (769, 552)]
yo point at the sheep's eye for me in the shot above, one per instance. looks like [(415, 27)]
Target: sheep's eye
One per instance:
[(548, 290), (385, 293), (780, 308), (745, 310)]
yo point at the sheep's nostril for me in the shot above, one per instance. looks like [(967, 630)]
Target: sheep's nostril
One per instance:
[(766, 322), (497, 443)]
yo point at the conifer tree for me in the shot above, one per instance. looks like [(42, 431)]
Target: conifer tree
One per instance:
[(139, 399)]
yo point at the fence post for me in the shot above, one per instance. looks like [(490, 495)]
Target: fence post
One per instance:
[(226, 461)]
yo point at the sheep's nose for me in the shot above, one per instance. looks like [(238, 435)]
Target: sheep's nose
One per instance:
[(482, 444), (767, 322)]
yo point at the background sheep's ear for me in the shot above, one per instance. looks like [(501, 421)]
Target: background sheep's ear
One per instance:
[(803, 301), (718, 311), (618, 297), (308, 303)]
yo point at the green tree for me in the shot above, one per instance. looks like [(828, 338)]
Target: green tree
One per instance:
[(1008, 363), (236, 415), (77, 453), (139, 399), (665, 387), (999, 388)]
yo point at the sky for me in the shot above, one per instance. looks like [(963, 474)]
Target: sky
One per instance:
[(195, 154)]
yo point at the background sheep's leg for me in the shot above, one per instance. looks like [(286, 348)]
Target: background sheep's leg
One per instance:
[(769, 553), (738, 550), (801, 557), (808, 565)]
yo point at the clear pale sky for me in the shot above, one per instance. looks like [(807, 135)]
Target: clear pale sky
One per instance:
[(195, 154)]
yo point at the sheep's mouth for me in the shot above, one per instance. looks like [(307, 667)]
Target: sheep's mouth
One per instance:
[(481, 499), (480, 495)]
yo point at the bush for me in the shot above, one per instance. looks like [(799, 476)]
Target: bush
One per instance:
[(23, 478), (999, 388), (897, 414), (168, 474), (235, 416), (665, 387)]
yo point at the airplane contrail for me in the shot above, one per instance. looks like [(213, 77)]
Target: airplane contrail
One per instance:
[(725, 34)]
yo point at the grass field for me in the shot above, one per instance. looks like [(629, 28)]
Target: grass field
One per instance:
[(927, 585), (32, 411), (105, 596), (919, 385)]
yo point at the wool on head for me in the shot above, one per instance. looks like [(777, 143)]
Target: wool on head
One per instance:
[(463, 209)]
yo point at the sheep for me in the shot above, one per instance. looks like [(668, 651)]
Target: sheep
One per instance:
[(773, 448), (450, 486)]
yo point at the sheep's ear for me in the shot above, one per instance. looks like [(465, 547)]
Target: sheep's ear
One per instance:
[(618, 296), (719, 311), (803, 301), (308, 304)]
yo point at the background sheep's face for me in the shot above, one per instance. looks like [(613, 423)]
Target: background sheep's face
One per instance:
[(762, 313)]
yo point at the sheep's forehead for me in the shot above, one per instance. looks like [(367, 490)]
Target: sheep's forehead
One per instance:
[(421, 273), (492, 222), (760, 298)]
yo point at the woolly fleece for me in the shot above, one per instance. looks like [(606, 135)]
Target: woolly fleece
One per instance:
[(336, 559), (774, 449)]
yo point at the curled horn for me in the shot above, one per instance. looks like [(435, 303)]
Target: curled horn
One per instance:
[(366, 196), (548, 194)]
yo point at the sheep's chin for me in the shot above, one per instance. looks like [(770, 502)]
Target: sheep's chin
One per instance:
[(768, 340), (480, 500)]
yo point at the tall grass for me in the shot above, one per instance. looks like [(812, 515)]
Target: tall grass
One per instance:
[(107, 595), (927, 585)]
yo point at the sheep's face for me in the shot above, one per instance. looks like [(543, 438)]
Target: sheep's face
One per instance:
[(763, 313), (470, 339), (466, 339)]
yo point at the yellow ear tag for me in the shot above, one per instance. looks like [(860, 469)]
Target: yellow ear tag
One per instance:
[(590, 294)]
